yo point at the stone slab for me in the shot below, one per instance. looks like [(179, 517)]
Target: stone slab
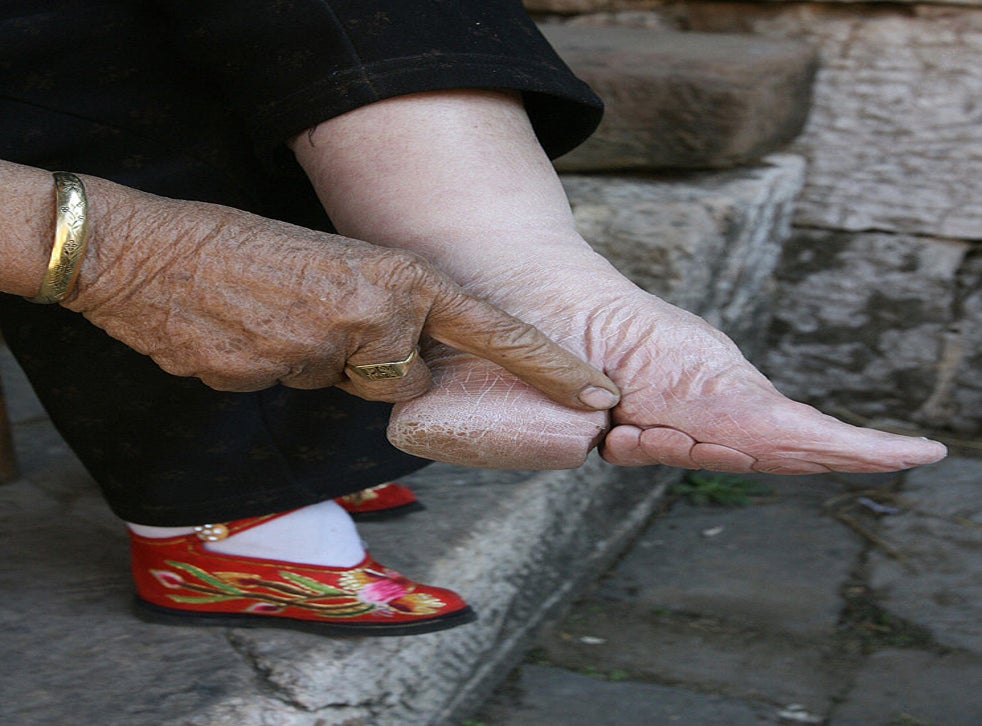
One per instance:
[(894, 138), (708, 242), (914, 687), (619, 631), (705, 652), (555, 697), (685, 100), (939, 587), (775, 566)]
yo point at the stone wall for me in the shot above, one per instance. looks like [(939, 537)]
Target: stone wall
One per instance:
[(879, 310), (708, 242)]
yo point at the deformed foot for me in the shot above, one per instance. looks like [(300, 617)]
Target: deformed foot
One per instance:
[(689, 398), (478, 414)]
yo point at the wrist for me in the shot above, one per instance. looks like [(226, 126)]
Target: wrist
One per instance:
[(27, 226), (72, 226), (135, 235), (108, 238)]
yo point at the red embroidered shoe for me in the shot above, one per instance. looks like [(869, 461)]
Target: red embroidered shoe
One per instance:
[(380, 502), (179, 582)]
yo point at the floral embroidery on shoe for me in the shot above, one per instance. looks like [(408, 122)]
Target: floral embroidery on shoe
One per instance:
[(170, 580), (358, 498), (359, 591), (389, 499), (389, 589)]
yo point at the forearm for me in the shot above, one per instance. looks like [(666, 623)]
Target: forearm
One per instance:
[(117, 215), (456, 176), (27, 216)]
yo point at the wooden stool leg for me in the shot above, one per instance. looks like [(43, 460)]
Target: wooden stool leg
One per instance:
[(8, 459)]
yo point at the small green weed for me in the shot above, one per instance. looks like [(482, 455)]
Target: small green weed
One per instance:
[(706, 488), (613, 675), (872, 628)]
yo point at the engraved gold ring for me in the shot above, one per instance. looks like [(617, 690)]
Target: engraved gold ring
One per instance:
[(384, 371)]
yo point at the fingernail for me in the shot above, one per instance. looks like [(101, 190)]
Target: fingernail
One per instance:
[(600, 398)]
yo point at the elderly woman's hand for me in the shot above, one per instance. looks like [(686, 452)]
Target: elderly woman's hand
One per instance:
[(243, 302)]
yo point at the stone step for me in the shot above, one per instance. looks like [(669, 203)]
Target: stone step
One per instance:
[(685, 100), (517, 545)]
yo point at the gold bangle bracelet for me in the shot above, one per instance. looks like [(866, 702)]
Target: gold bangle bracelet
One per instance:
[(71, 237)]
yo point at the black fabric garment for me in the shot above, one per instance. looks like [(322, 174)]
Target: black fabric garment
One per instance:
[(194, 99)]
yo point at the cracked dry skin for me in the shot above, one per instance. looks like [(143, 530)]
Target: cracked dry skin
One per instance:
[(689, 397), (478, 414)]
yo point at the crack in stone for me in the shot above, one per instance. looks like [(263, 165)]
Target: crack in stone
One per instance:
[(941, 407), (265, 684)]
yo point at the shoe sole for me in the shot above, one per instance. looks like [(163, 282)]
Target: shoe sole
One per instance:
[(390, 513), (158, 614)]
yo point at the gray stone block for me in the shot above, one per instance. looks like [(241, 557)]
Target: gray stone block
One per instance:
[(706, 652), (554, 697), (72, 650), (913, 687), (939, 586), (869, 323), (777, 566), (894, 138), (685, 100), (742, 602), (958, 398), (706, 241)]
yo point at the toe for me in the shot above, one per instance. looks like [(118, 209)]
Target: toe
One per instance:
[(632, 446), (721, 458)]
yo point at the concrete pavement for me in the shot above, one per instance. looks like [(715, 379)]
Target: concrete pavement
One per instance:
[(838, 600)]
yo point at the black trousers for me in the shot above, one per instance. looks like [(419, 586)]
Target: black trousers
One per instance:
[(170, 451)]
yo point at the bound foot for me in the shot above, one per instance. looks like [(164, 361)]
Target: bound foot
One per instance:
[(304, 569), (689, 397)]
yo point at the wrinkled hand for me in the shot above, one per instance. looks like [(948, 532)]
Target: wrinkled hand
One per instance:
[(689, 398), (243, 302)]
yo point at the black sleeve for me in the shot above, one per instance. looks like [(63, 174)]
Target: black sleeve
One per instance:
[(287, 65)]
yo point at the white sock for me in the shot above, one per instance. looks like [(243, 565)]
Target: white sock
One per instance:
[(320, 534)]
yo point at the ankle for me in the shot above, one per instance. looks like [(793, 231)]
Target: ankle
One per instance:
[(151, 532), (320, 534)]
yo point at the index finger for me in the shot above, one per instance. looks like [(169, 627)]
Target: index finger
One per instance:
[(478, 327)]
